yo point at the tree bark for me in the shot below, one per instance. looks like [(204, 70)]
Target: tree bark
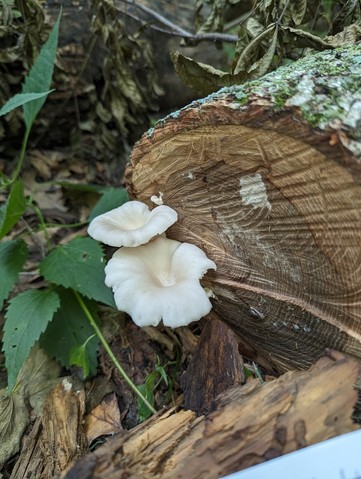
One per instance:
[(252, 423), (266, 179)]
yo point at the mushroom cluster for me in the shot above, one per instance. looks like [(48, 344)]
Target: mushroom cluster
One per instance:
[(153, 278)]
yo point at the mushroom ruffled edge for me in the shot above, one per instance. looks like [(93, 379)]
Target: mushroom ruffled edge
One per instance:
[(132, 224)]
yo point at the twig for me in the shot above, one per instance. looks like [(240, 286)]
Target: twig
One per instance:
[(178, 31)]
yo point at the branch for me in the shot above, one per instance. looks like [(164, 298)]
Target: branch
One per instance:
[(173, 29)]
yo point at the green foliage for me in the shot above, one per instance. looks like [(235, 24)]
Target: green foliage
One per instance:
[(69, 337), (13, 209), (59, 317), (55, 315), (12, 258), (79, 265), (79, 356), (27, 317), (110, 199), (152, 381), (20, 99), (39, 78)]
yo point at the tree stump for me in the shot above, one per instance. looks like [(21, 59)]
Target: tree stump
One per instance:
[(265, 178)]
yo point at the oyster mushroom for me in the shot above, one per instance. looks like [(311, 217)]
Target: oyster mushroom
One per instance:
[(132, 224), (160, 281)]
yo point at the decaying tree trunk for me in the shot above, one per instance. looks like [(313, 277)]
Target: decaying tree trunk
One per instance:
[(252, 423), (266, 179)]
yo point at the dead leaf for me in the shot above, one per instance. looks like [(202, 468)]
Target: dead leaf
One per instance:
[(201, 77), (302, 39), (14, 417), (35, 379), (104, 419), (249, 54), (298, 10)]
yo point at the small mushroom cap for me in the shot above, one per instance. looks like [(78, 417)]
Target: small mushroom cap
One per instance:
[(132, 224), (160, 281)]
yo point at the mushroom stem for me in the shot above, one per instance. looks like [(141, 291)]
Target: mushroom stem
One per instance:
[(110, 352)]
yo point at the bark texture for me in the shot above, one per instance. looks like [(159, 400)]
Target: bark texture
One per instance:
[(215, 366), (57, 438), (266, 179), (253, 423)]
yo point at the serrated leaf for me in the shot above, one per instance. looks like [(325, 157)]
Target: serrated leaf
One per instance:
[(27, 317), (69, 330), (39, 78), (111, 198), (12, 210), (12, 258), (20, 99), (79, 265)]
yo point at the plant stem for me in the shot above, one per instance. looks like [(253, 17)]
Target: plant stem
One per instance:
[(110, 352), (21, 156), (43, 225)]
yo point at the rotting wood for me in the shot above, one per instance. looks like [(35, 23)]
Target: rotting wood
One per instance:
[(57, 438), (215, 366), (275, 201), (252, 423)]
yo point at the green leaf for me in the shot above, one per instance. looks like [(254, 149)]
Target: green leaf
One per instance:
[(13, 208), (162, 372), (79, 265), (79, 356), (20, 99), (12, 258), (27, 316), (147, 389), (67, 336), (111, 198), (39, 78)]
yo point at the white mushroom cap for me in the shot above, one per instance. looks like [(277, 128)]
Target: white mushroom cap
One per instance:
[(132, 224), (160, 280)]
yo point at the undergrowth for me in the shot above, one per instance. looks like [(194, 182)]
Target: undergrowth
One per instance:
[(61, 314)]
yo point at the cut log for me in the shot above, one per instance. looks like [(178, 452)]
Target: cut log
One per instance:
[(266, 179), (253, 423)]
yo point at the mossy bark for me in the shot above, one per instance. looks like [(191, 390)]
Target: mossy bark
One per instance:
[(266, 179)]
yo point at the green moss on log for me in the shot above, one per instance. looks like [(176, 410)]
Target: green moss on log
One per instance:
[(324, 87)]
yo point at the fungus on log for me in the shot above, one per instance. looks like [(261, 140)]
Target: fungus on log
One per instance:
[(266, 179)]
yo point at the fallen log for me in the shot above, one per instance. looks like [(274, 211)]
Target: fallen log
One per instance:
[(252, 423), (266, 179)]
